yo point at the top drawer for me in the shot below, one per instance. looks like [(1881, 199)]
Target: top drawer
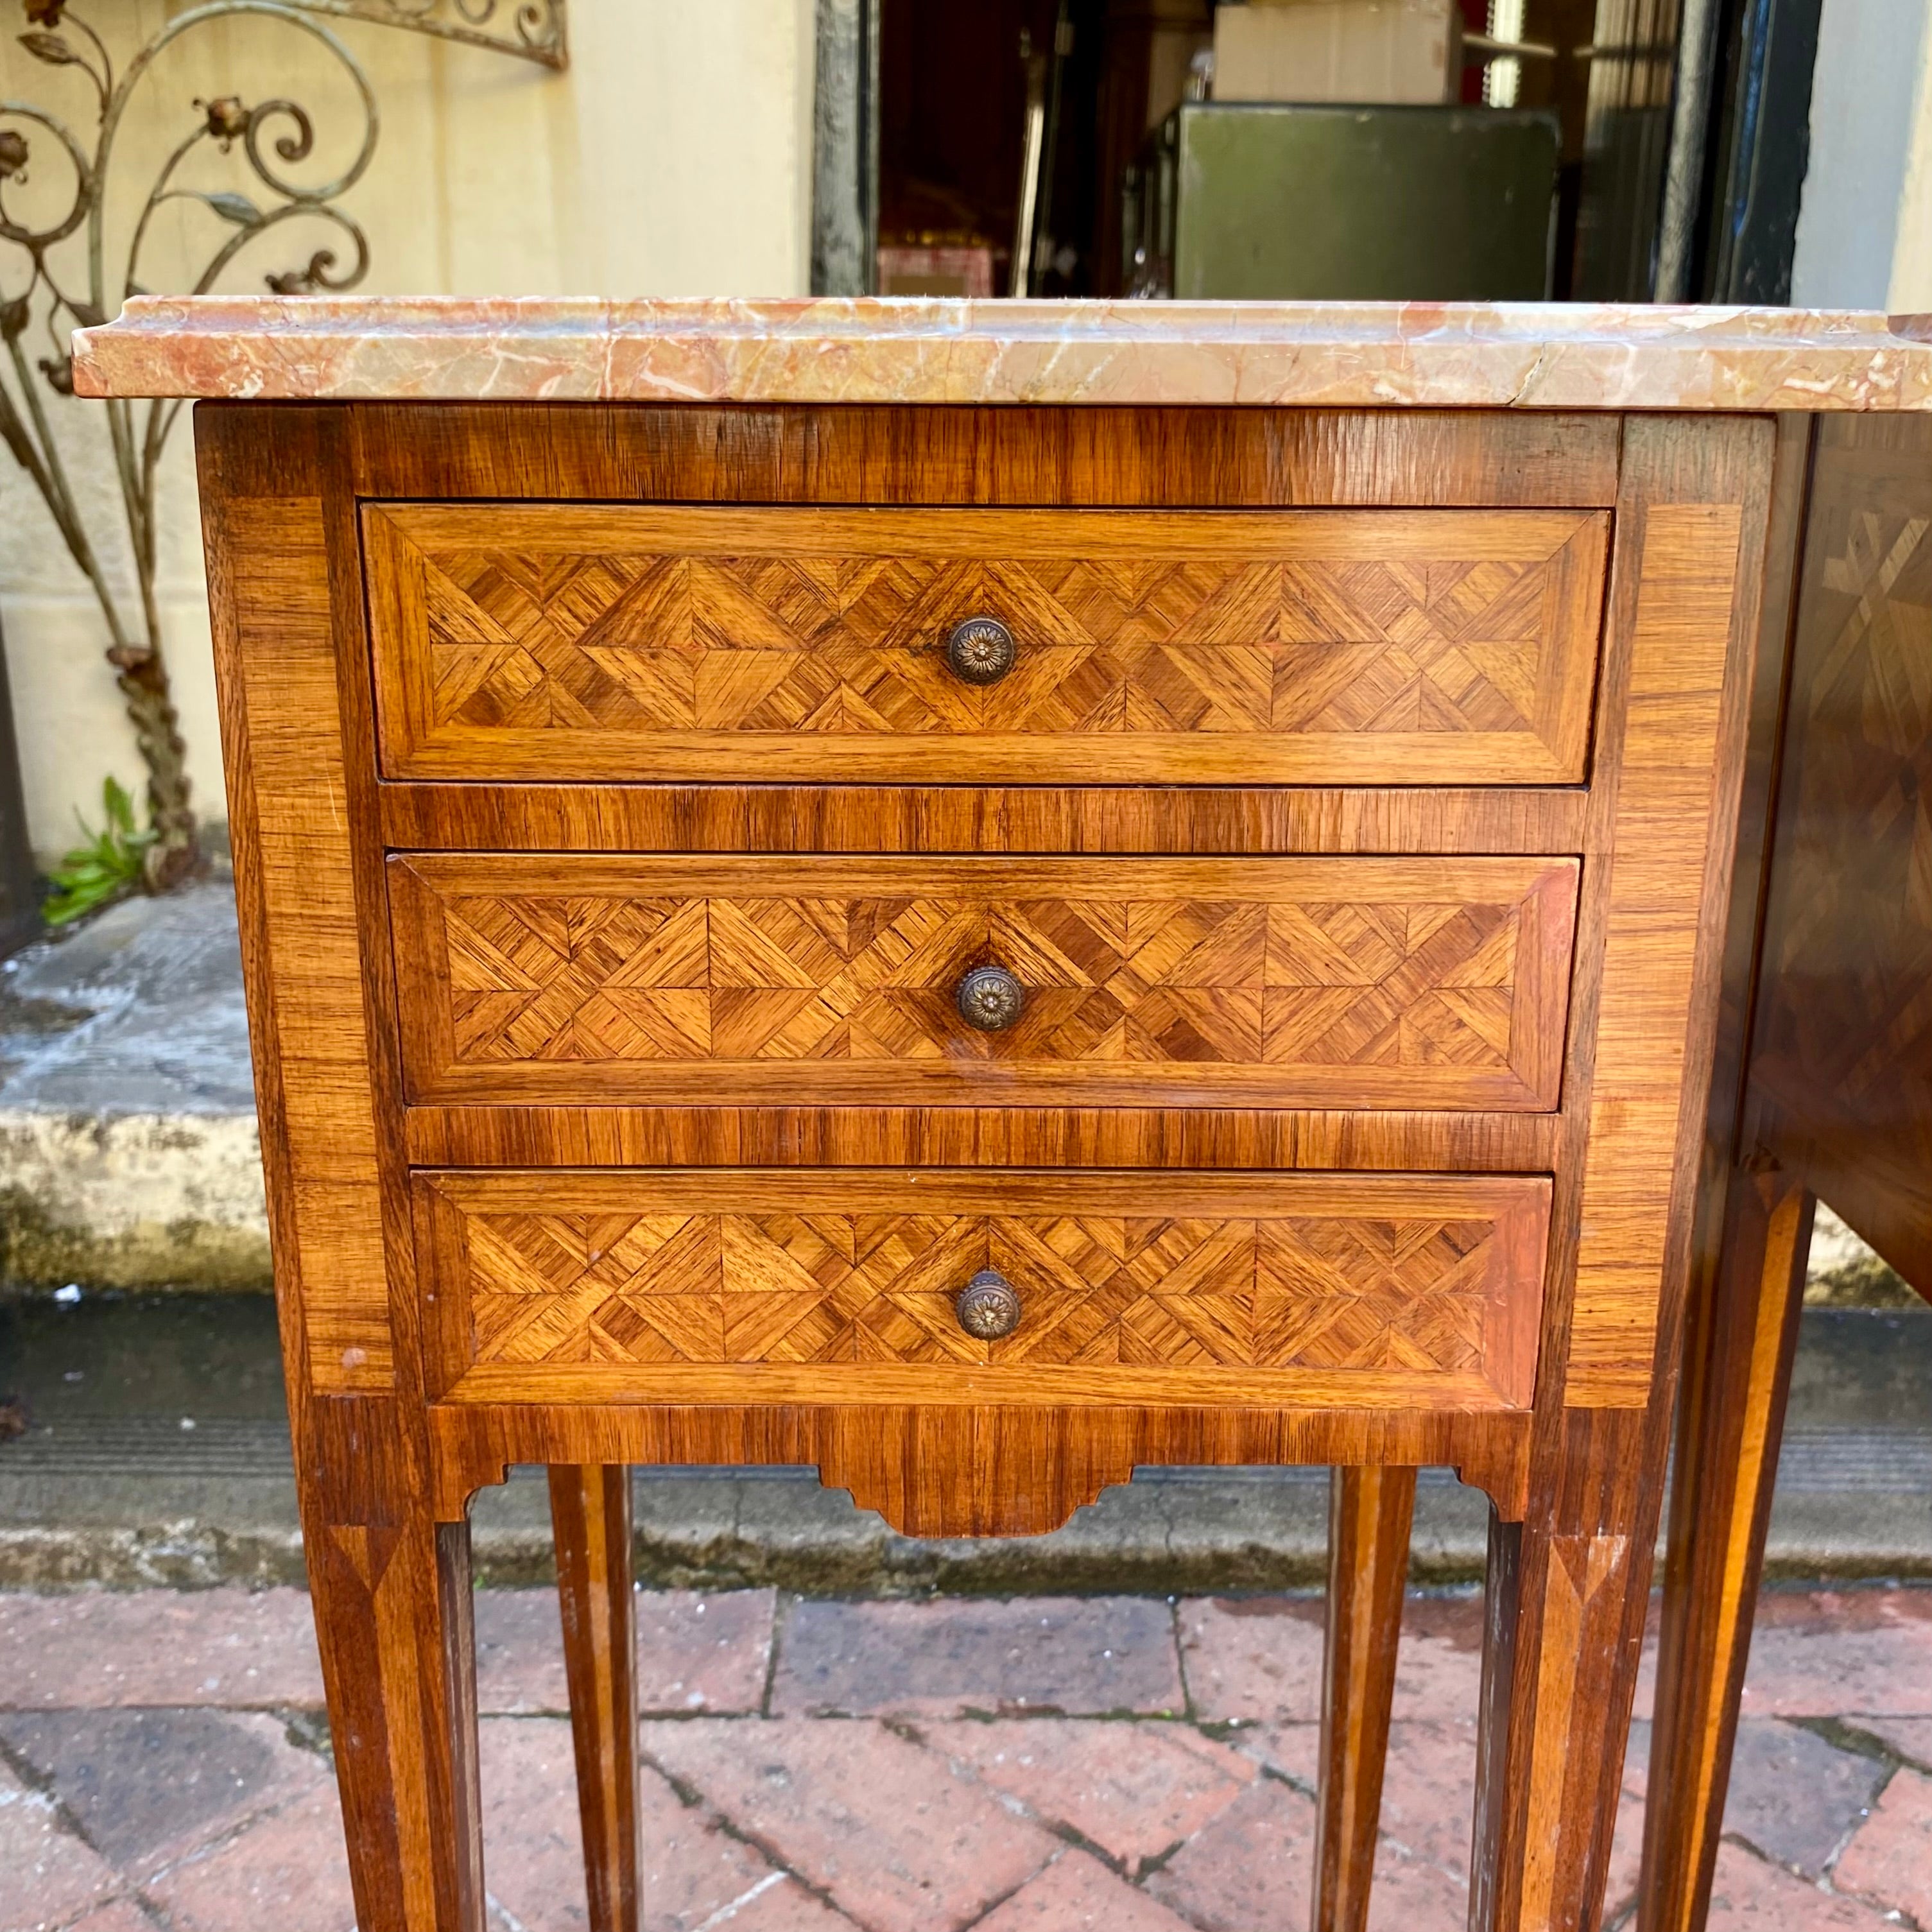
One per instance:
[(1358, 646)]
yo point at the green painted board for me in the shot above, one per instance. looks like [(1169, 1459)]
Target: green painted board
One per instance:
[(1286, 202)]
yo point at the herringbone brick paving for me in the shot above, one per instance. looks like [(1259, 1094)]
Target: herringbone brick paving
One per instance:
[(1136, 1764)]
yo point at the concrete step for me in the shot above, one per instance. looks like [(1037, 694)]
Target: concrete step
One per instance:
[(157, 1452), (129, 1156)]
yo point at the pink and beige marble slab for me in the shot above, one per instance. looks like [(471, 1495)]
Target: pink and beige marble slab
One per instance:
[(1523, 355)]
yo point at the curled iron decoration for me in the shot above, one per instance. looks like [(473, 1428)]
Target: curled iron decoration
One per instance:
[(534, 29), (47, 289)]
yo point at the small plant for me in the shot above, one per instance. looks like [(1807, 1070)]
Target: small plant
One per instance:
[(107, 866)]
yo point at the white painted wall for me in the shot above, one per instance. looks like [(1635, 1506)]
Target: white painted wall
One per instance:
[(1910, 290), (674, 157), (1865, 225)]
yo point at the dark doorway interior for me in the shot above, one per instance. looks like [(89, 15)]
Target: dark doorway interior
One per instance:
[(953, 93), (953, 99)]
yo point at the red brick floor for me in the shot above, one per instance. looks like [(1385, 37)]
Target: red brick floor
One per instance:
[(1124, 1764)]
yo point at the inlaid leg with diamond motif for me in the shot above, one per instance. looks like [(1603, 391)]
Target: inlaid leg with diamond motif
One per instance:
[(391, 1590), (1566, 1593)]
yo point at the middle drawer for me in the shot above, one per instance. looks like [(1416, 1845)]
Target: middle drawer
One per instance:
[(1411, 983)]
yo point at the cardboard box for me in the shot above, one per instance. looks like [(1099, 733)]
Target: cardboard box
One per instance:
[(1373, 52), (935, 271)]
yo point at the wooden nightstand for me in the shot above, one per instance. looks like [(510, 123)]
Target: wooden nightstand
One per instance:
[(980, 946)]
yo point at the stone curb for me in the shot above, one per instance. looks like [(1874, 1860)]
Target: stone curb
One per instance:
[(1170, 1533), (127, 1134)]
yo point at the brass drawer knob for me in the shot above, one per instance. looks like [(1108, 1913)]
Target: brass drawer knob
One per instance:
[(990, 998), (981, 650), (988, 1305)]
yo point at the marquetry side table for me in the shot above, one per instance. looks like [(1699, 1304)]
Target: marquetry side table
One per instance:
[(978, 895)]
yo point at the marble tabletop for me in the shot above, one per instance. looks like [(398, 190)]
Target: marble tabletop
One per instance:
[(825, 349)]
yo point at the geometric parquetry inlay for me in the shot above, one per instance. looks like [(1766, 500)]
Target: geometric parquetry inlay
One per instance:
[(773, 978), (1846, 1026), (1865, 793), (644, 641), (1329, 1292)]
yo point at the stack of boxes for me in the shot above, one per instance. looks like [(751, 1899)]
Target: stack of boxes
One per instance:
[(1386, 52), (1337, 160)]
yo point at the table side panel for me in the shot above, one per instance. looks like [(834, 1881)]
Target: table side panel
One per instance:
[(1673, 806), (1841, 1065), (269, 586)]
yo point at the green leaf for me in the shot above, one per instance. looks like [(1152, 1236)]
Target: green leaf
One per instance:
[(69, 902), (119, 806), (235, 208), (105, 866)]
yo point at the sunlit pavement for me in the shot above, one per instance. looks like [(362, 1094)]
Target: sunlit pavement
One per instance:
[(1126, 1762)]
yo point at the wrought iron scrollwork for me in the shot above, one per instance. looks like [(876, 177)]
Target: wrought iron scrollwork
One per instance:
[(48, 289), (534, 28)]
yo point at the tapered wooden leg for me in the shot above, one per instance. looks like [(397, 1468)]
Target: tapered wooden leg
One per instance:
[(1370, 1513), (590, 1520), (1737, 1374), (390, 1589), (1564, 1634), (1502, 1581)]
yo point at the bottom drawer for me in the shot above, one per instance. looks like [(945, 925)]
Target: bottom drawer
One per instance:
[(788, 1285)]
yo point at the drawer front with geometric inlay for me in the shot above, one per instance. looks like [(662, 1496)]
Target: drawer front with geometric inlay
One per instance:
[(1409, 983), (867, 1285), (1359, 646)]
